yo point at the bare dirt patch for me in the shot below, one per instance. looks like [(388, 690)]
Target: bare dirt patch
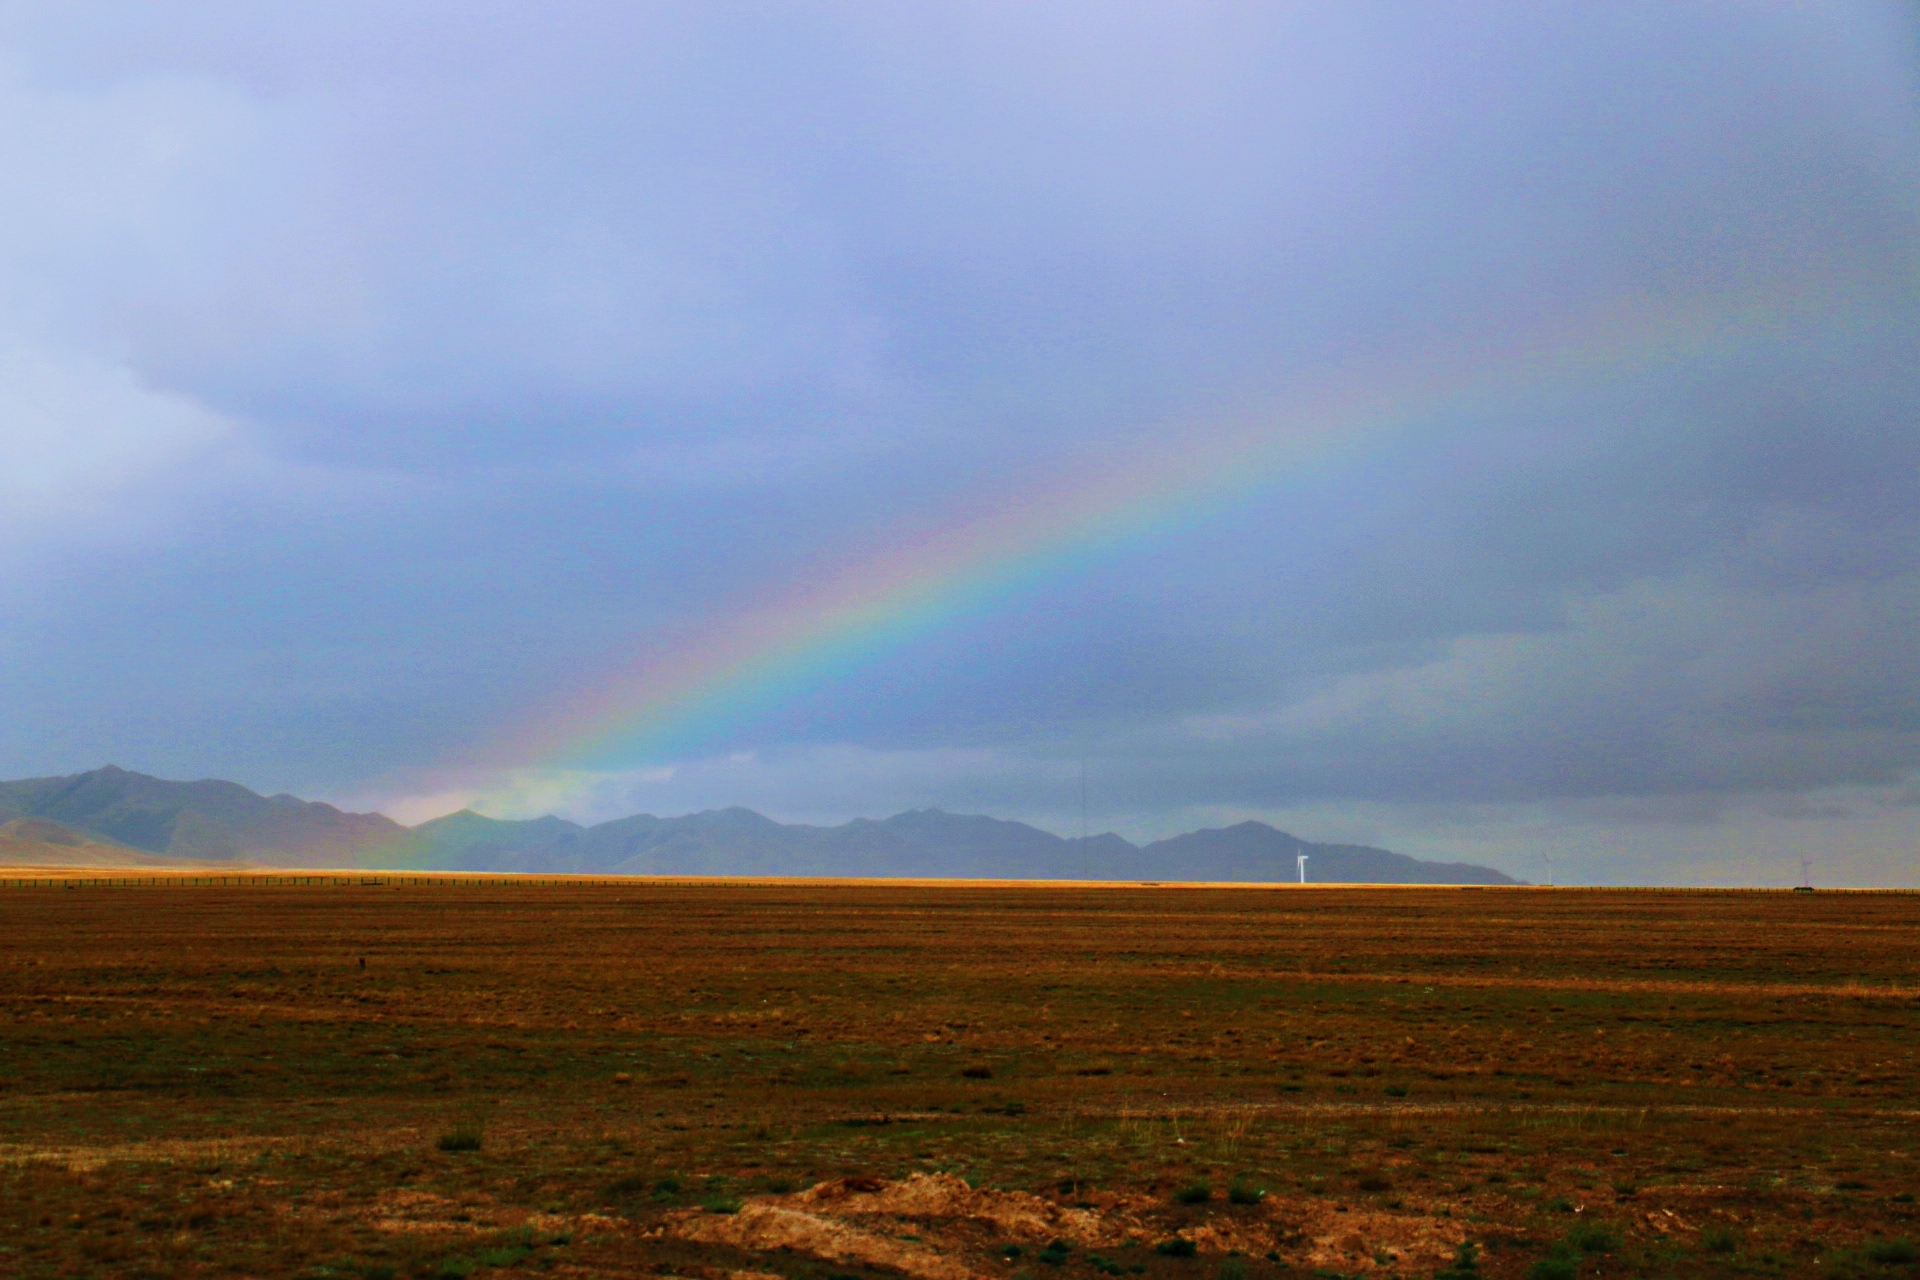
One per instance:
[(1326, 1236), (956, 1226), (765, 1228)]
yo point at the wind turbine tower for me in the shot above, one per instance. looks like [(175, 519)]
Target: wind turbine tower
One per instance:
[(1302, 860)]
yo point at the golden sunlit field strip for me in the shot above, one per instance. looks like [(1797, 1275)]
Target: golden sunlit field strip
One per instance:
[(395, 1075)]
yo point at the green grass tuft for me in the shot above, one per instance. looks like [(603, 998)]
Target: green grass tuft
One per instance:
[(1892, 1252), (1593, 1237), (465, 1136), (1719, 1240)]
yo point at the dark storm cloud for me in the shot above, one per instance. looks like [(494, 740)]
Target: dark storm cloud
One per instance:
[(373, 374)]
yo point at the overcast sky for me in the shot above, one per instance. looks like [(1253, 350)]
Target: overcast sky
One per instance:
[(376, 376)]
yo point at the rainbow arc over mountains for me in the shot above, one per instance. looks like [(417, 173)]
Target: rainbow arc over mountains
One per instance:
[(771, 649)]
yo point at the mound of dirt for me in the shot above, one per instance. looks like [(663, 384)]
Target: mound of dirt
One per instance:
[(957, 1226), (1013, 1215), (1321, 1235), (766, 1227)]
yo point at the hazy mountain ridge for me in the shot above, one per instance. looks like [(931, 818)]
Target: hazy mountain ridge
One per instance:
[(214, 820), (42, 842), (205, 820)]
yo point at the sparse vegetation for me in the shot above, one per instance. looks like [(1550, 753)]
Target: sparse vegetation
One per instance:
[(1554, 1267), (1889, 1253), (203, 1082), (464, 1136), (1718, 1239), (1593, 1237), (1465, 1264)]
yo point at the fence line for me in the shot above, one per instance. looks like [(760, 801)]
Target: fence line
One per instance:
[(358, 881)]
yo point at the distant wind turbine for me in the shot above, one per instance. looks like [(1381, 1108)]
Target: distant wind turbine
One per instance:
[(1302, 860)]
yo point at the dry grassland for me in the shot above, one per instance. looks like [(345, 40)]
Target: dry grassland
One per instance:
[(823, 1082)]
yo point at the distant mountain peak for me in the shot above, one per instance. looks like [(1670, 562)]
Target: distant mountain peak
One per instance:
[(213, 819), (209, 819)]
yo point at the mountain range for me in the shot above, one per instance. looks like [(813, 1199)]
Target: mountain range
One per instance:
[(112, 816)]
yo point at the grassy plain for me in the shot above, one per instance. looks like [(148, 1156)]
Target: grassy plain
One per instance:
[(713, 1080)]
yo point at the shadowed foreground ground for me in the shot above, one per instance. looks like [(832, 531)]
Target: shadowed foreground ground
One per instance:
[(837, 1081)]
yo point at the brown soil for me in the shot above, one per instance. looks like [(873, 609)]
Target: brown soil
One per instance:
[(957, 1226), (199, 1077)]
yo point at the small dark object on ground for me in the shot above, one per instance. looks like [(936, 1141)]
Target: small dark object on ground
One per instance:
[(1194, 1193), (1177, 1248), (977, 1073), (462, 1137), (1890, 1252)]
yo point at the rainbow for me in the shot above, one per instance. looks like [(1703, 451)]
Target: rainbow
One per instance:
[(770, 650)]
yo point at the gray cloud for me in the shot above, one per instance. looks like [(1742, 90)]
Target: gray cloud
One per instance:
[(372, 377)]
